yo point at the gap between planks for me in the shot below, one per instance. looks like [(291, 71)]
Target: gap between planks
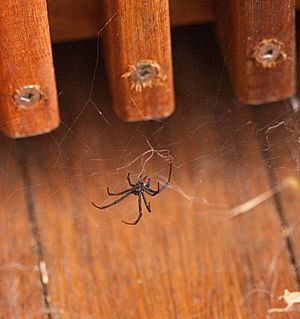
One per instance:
[(273, 181), (37, 243)]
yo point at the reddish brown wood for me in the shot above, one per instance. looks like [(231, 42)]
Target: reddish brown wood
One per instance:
[(26, 60), (279, 135), (21, 291), (139, 59), (192, 12), (187, 259), (249, 30), (75, 19)]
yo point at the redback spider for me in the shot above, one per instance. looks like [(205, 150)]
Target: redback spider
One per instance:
[(138, 189)]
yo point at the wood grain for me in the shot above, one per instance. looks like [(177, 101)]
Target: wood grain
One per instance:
[(244, 29), (139, 37), (26, 60), (21, 291), (187, 259), (75, 19), (279, 137)]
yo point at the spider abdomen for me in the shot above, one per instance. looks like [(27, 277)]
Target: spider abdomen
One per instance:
[(146, 181)]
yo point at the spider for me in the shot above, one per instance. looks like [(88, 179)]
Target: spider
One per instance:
[(139, 189)]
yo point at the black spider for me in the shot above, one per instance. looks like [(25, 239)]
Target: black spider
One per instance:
[(142, 185)]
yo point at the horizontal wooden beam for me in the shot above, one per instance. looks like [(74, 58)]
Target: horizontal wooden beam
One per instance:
[(75, 20)]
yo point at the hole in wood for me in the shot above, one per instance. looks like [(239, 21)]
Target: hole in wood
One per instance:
[(146, 73), (27, 95), (268, 53)]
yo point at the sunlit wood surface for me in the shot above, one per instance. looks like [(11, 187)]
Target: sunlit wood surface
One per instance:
[(62, 258)]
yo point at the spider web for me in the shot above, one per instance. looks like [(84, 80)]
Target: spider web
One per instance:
[(102, 156)]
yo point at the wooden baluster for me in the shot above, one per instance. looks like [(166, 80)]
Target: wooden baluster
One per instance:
[(258, 44), (28, 100), (139, 60)]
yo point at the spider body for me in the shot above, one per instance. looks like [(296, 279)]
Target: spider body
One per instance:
[(146, 181), (138, 189)]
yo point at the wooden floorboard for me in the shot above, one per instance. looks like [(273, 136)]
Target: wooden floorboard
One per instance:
[(279, 136), (22, 294), (188, 258)]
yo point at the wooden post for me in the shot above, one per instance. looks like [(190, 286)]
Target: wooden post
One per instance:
[(139, 61), (28, 101), (258, 44)]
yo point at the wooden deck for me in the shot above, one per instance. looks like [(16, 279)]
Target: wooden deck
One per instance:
[(62, 258)]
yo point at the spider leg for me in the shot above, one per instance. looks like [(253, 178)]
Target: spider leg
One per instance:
[(149, 191), (153, 193), (117, 194), (129, 181), (113, 203), (145, 201), (140, 213)]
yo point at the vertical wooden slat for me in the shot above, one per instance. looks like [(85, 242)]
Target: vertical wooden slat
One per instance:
[(139, 59), (28, 101), (258, 44)]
